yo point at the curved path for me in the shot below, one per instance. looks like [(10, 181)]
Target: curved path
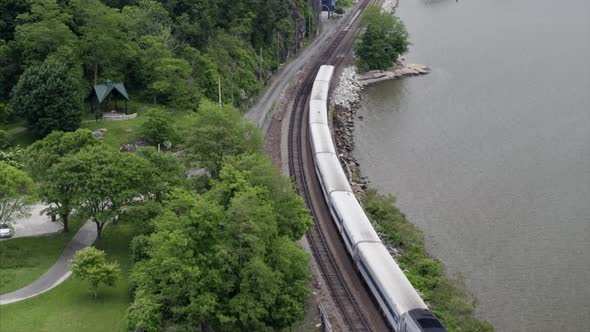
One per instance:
[(59, 272)]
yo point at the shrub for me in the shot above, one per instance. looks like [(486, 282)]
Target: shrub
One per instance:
[(159, 127)]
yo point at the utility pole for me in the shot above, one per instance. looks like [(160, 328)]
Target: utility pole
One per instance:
[(278, 47), (260, 72), (219, 89), (232, 83), (296, 33)]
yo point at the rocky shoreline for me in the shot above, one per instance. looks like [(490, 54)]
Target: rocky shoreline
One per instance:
[(375, 76)]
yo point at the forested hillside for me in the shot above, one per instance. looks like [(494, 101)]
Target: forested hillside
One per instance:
[(170, 52)]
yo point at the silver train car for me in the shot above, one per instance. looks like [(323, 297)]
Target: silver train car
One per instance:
[(402, 306)]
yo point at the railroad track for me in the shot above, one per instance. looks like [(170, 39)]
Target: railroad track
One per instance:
[(301, 168)]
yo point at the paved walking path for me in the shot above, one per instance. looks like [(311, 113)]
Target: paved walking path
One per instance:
[(59, 272)]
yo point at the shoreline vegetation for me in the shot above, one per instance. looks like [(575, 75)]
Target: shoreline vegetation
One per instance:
[(446, 295)]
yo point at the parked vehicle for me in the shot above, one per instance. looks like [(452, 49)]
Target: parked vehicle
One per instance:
[(5, 231)]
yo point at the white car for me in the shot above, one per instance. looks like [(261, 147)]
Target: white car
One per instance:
[(5, 231)]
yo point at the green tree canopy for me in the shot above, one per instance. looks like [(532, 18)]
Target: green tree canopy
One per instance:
[(226, 260), (54, 186), (49, 98), (149, 17), (42, 31), (105, 40), (106, 181), (384, 39), (222, 267), (91, 264), (169, 172), (158, 127), (16, 193), (213, 134)]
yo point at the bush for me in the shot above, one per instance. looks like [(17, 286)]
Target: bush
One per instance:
[(144, 314), (159, 127), (91, 264), (140, 248), (4, 143), (48, 97), (6, 113)]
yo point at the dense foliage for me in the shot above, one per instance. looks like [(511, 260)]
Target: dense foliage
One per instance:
[(214, 133), (16, 192), (48, 97), (103, 181), (159, 127), (385, 38), (55, 188), (447, 297), (173, 52), (226, 259)]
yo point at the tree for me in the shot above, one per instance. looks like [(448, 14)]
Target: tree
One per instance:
[(42, 31), (105, 181), (16, 193), (169, 172), (91, 264), (6, 113), (148, 18), (144, 314), (158, 127), (13, 156), (55, 188), (257, 170), (105, 42), (49, 98), (225, 260), (9, 10), (383, 40), (213, 134), (167, 77), (172, 79)]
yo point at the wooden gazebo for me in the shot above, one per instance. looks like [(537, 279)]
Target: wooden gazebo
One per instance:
[(106, 93)]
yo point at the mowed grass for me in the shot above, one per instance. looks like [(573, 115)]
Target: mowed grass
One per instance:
[(71, 306), (22, 260), (118, 132)]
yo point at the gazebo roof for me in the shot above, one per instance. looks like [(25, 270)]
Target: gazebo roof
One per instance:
[(104, 89)]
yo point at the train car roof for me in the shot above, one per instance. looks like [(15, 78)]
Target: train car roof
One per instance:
[(318, 111), (389, 277), (332, 174), (320, 90), (325, 73), (321, 138), (354, 219)]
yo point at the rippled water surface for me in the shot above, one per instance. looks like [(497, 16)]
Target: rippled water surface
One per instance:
[(490, 153)]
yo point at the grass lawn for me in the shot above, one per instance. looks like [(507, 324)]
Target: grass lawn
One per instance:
[(118, 132), (22, 260), (71, 306)]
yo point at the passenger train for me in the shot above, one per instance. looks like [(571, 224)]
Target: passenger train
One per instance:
[(402, 306)]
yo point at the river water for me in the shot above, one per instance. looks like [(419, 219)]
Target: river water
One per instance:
[(490, 153)]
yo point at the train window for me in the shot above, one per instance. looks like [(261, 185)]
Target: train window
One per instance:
[(427, 323)]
